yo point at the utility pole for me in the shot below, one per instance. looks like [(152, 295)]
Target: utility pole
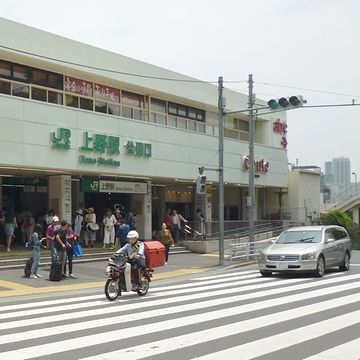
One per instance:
[(251, 195), (221, 106)]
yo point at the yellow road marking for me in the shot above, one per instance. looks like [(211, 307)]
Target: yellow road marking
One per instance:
[(215, 255), (29, 290), (12, 285)]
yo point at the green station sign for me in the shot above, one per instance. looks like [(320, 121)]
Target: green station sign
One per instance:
[(100, 149)]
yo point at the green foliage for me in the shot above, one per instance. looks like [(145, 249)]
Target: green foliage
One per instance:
[(338, 218)]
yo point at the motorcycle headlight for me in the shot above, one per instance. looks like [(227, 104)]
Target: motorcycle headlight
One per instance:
[(309, 256), (108, 269)]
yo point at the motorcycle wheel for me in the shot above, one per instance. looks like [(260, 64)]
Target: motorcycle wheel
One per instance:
[(112, 289), (145, 286)]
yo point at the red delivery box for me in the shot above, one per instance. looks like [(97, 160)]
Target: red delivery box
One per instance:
[(154, 254)]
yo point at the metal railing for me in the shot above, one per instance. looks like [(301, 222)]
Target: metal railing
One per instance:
[(247, 250)]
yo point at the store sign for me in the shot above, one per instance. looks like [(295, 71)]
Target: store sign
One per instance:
[(279, 127), (260, 165), (106, 93), (61, 139), (91, 185), (138, 149), (78, 86), (105, 145)]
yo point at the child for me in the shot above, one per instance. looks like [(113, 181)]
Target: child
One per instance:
[(36, 245)]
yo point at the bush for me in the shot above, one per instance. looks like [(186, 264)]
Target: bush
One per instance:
[(339, 218)]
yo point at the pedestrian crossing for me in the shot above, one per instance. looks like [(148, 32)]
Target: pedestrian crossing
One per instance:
[(237, 314)]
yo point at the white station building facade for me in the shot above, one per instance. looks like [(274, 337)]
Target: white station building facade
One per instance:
[(81, 127)]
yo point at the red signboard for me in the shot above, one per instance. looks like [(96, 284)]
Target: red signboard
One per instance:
[(280, 127), (78, 86), (106, 93), (132, 99), (260, 165)]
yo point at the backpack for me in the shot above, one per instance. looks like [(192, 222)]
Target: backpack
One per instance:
[(27, 268)]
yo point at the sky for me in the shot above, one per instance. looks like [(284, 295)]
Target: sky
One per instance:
[(301, 45)]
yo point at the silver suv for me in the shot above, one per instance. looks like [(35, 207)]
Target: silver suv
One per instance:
[(310, 249)]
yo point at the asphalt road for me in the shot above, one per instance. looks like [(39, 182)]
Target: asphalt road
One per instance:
[(211, 315)]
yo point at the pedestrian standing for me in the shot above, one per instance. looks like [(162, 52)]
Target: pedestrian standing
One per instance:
[(60, 244), (28, 227), (117, 214), (78, 223), (122, 233), (50, 234), (109, 222), (36, 243), (70, 242), (176, 220), (9, 226), (167, 218), (91, 228), (164, 236)]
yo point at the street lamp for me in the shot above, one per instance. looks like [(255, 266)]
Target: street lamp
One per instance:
[(355, 175)]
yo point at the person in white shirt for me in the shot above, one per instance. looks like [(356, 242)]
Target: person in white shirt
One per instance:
[(109, 222), (78, 222), (176, 220)]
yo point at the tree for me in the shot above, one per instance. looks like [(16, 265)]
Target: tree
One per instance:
[(337, 217)]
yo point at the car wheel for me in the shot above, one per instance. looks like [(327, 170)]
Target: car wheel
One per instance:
[(320, 268), (345, 266), (266, 273)]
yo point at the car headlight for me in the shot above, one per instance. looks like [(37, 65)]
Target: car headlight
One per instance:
[(309, 256), (262, 256)]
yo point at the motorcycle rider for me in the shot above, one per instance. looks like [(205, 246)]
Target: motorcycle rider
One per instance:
[(135, 254)]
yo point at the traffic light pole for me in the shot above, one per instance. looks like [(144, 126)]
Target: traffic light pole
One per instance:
[(251, 195), (221, 106)]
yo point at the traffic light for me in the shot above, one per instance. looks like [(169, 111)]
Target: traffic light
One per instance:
[(286, 103), (201, 185)]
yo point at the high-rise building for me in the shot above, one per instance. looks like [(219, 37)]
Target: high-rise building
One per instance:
[(328, 175), (341, 172)]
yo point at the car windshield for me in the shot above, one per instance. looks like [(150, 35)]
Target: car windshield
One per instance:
[(296, 237)]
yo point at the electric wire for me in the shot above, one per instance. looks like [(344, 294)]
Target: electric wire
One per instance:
[(118, 72)]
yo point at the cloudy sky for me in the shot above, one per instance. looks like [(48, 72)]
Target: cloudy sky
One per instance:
[(302, 45)]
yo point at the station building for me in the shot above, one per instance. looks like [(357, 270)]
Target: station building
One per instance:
[(81, 126)]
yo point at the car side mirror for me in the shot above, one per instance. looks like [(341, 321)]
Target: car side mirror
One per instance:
[(329, 241)]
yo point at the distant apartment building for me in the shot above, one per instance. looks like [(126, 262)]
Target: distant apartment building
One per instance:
[(337, 176)]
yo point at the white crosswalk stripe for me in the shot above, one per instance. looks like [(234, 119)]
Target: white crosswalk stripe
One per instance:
[(210, 317)]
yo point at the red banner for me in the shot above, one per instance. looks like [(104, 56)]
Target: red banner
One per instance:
[(78, 86), (106, 93)]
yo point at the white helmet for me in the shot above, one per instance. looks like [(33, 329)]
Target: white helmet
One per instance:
[(133, 234)]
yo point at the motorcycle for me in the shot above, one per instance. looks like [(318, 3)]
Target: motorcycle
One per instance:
[(120, 278)]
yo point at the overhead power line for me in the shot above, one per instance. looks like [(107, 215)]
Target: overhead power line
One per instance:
[(308, 89), (118, 72)]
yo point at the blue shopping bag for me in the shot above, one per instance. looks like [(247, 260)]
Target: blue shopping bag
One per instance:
[(77, 249)]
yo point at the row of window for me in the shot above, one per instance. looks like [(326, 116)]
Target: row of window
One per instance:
[(30, 75)]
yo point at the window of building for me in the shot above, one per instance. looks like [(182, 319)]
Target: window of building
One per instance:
[(20, 90), (186, 111), (20, 72), (113, 109), (38, 94), (71, 100), (158, 118), (158, 105), (55, 81), (131, 99), (55, 97), (101, 106), (5, 69), (5, 87), (86, 104), (39, 77), (241, 125)]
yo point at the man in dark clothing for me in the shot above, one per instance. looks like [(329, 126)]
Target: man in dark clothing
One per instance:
[(122, 232), (60, 244)]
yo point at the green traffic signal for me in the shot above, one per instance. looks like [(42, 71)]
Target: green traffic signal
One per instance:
[(273, 104)]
